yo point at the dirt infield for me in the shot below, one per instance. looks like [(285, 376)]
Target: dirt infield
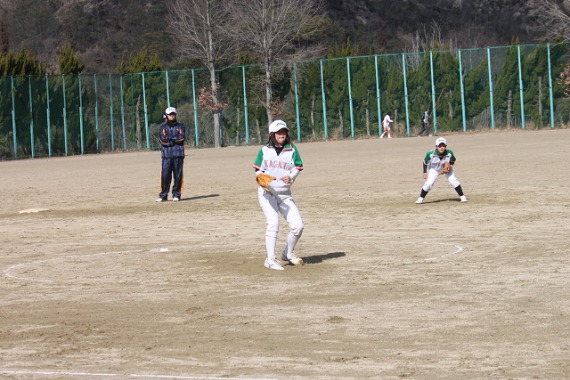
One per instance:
[(97, 280)]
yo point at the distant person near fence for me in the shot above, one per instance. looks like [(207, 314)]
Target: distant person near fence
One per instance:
[(424, 120), (386, 126)]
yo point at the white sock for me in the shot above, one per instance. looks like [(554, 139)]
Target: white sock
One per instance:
[(292, 240), (270, 242)]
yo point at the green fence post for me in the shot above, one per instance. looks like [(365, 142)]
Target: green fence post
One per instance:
[(551, 96), (195, 109), (123, 114), (246, 118), (220, 111), (64, 115), (521, 88), (350, 98), (112, 123), (378, 95), (167, 89), (48, 121), (98, 148), (491, 95), (81, 132), (433, 99), (14, 130), (32, 145), (297, 102), (406, 100), (145, 112), (462, 91), (325, 129)]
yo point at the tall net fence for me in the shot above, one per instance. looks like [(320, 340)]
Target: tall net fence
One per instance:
[(463, 90)]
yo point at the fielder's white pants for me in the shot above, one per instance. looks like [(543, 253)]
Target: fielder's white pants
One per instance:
[(272, 207), (433, 175)]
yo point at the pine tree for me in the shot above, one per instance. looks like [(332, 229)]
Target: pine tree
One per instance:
[(69, 63)]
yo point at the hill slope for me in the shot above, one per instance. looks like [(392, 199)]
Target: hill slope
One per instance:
[(103, 31)]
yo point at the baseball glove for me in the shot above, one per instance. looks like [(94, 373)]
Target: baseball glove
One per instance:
[(263, 180), (446, 168)]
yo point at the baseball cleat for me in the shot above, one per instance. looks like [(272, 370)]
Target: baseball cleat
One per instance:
[(175, 199), (293, 259), (463, 198), (160, 199), (272, 264), (420, 200)]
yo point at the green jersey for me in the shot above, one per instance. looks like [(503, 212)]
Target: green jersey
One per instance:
[(433, 160)]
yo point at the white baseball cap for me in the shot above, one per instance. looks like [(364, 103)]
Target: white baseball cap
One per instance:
[(440, 140), (170, 110), (277, 125)]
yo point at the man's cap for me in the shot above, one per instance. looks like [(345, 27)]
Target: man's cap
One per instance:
[(440, 140), (170, 110), (277, 125)]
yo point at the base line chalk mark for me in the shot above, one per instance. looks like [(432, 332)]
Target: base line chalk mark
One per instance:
[(120, 375)]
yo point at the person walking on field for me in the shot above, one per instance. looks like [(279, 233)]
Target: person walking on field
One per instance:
[(280, 159), (172, 135), (386, 126), (424, 119), (433, 165)]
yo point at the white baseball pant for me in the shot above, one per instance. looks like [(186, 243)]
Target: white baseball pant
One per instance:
[(433, 175), (272, 207)]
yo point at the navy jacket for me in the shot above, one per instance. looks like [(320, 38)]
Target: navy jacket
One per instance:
[(172, 139)]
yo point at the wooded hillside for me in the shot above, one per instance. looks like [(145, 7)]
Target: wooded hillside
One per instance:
[(104, 31)]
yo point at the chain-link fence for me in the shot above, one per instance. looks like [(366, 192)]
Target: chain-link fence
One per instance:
[(464, 90)]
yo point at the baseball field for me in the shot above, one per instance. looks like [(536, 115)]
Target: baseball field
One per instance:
[(99, 281)]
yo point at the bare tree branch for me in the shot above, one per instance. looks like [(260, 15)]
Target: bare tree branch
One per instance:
[(275, 31), (200, 28), (554, 16)]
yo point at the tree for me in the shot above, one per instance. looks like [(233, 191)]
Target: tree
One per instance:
[(506, 85), (565, 80), (139, 66), (4, 40), (200, 26), (140, 63), (554, 15), (23, 63), (69, 63), (277, 33)]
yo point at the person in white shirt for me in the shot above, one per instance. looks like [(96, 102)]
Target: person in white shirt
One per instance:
[(386, 126), (280, 159), (433, 164)]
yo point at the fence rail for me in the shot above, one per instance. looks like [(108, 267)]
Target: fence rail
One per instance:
[(464, 90)]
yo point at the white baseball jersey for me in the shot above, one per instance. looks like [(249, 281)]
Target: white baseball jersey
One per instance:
[(434, 161), (287, 163), (386, 122)]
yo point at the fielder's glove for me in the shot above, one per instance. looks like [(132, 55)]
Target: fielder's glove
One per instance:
[(446, 168), (263, 180)]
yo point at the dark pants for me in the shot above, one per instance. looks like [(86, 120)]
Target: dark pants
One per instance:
[(424, 129), (172, 166)]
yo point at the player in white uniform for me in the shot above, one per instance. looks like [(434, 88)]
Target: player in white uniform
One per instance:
[(281, 159), (386, 126), (432, 166)]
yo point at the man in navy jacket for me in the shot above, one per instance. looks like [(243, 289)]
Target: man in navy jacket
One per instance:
[(172, 136)]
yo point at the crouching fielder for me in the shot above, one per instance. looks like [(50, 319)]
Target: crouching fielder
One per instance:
[(436, 162), (280, 159)]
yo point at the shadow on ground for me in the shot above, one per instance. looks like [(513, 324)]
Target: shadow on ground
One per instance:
[(199, 197), (320, 258)]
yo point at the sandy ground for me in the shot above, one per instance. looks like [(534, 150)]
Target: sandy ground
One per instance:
[(99, 281)]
